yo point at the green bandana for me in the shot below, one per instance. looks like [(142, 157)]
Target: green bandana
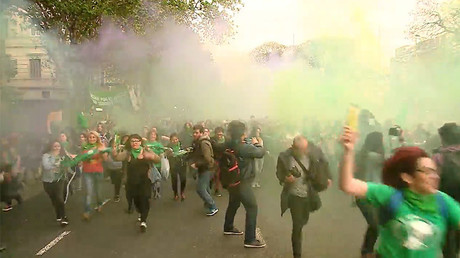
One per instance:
[(175, 147), (156, 147), (85, 156), (89, 146), (136, 153), (426, 203)]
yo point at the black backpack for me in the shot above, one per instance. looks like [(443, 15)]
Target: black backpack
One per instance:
[(229, 171)]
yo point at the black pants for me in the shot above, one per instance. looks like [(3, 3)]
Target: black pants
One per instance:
[(55, 191), (140, 194), (4, 195), (129, 197), (182, 174), (142, 206), (300, 213), (451, 246), (242, 194), (115, 176), (370, 213)]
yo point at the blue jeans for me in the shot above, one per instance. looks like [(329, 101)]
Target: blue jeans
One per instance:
[(242, 194), (93, 187), (202, 188)]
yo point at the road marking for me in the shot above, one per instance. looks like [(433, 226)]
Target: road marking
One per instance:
[(52, 243), (106, 201), (102, 204)]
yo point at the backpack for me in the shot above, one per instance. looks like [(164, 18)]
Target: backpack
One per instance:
[(388, 212), (229, 171)]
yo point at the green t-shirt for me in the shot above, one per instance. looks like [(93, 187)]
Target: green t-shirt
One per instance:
[(412, 233)]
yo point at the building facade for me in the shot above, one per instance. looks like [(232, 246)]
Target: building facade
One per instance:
[(32, 92)]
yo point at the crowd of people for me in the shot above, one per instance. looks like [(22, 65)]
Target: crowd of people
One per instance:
[(393, 174)]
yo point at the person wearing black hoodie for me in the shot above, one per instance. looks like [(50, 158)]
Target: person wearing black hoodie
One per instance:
[(242, 193), (369, 164), (447, 159)]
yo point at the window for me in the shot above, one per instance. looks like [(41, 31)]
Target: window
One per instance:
[(13, 68), (35, 68), (46, 94)]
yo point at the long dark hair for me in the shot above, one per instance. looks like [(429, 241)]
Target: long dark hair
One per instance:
[(235, 130), (49, 147), (373, 143)]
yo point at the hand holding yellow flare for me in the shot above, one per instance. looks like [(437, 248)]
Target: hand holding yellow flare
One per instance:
[(352, 118)]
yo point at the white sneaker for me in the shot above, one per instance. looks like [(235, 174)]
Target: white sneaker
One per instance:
[(143, 227)]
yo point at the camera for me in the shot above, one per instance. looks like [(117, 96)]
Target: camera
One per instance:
[(395, 131), (295, 172)]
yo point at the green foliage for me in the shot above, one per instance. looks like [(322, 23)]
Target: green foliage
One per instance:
[(76, 20), (211, 19), (262, 53)]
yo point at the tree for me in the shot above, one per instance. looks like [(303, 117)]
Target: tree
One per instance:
[(264, 52), (77, 21), (430, 19), (210, 19)]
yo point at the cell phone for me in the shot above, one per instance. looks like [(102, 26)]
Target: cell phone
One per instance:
[(352, 117)]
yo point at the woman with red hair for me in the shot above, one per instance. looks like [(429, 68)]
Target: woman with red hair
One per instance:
[(414, 216)]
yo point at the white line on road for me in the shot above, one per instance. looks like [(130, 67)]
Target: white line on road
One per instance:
[(52, 243)]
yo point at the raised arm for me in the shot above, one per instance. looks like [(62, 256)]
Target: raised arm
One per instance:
[(347, 182), (252, 151), (119, 156), (150, 155)]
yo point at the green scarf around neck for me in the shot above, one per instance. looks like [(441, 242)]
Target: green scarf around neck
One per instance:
[(89, 146), (426, 203), (175, 147), (136, 152)]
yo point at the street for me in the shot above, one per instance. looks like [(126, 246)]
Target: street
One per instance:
[(178, 229)]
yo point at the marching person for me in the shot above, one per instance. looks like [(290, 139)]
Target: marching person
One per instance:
[(138, 183), (53, 177)]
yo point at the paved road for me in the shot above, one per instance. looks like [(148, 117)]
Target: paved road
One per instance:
[(178, 229)]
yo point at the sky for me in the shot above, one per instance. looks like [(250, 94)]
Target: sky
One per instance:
[(295, 21)]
